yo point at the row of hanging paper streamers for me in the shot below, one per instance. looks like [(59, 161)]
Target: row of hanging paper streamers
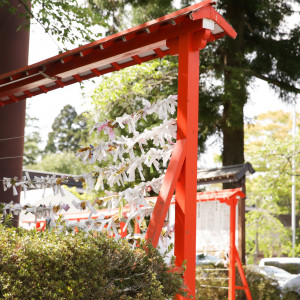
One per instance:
[(163, 108), (162, 135), (137, 209), (117, 147), (124, 171)]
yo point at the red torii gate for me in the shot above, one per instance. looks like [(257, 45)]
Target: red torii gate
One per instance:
[(181, 33)]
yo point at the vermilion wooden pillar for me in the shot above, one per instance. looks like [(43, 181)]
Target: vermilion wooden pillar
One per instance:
[(187, 128), (232, 254)]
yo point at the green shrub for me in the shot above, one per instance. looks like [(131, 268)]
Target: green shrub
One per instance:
[(261, 286), (211, 282), (48, 265), (212, 285)]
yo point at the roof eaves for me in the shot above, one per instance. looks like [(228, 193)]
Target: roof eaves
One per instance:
[(219, 175), (210, 13)]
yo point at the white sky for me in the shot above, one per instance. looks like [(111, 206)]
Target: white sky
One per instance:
[(47, 106)]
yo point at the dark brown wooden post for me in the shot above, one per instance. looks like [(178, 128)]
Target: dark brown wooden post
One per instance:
[(242, 223), (13, 55)]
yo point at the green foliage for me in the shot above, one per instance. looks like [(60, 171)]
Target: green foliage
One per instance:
[(124, 91), (272, 125), (64, 162), (68, 21), (261, 286), (145, 10), (208, 284), (31, 142), (69, 131), (271, 155), (266, 234), (122, 13), (264, 48), (270, 148), (272, 185), (48, 265), (90, 196)]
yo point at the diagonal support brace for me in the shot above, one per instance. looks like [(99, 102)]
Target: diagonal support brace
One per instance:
[(166, 192)]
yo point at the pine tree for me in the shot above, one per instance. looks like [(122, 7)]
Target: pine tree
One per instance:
[(263, 49), (69, 130), (31, 141)]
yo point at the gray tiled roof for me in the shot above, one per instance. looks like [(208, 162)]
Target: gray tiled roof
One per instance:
[(231, 173)]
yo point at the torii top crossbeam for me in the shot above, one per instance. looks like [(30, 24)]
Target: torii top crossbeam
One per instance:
[(181, 33), (129, 47)]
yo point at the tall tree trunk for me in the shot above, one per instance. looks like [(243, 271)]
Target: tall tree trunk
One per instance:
[(234, 99), (233, 141), (13, 55), (235, 89)]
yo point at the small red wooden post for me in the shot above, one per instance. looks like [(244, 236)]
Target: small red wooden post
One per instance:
[(231, 285), (137, 228), (234, 257), (243, 277), (230, 197), (123, 232)]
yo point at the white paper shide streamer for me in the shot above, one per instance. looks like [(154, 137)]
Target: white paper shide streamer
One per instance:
[(131, 204)]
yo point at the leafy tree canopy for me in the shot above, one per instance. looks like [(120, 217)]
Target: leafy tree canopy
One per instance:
[(270, 147), (275, 125), (124, 91), (127, 13), (64, 162), (69, 130), (67, 21), (265, 48)]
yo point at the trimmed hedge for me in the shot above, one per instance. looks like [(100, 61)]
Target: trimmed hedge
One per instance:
[(48, 265), (209, 283)]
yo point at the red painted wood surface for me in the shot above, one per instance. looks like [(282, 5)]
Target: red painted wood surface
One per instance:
[(129, 47), (231, 283), (186, 189), (243, 277), (230, 197), (166, 192), (14, 50)]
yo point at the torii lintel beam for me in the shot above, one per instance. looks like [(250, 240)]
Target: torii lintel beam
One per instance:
[(154, 39)]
